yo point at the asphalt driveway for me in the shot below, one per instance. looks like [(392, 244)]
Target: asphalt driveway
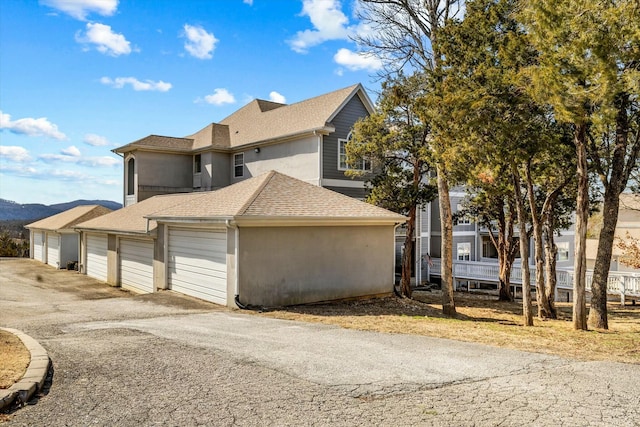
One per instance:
[(165, 359)]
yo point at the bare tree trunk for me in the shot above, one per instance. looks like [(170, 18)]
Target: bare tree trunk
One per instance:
[(544, 307), (446, 225), (405, 283), (527, 311), (613, 187), (582, 217), (550, 251), (504, 278)]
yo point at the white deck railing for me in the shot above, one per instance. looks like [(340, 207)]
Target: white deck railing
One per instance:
[(623, 283)]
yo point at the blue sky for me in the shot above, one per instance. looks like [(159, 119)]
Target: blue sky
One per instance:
[(81, 77)]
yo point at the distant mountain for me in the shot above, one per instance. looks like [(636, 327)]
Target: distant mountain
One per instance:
[(12, 211)]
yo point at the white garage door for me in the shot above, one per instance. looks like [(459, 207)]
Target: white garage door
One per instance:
[(38, 246), (136, 265), (53, 249), (97, 256), (197, 263)]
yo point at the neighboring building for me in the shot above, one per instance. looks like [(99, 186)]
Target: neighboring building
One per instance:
[(305, 140), (269, 240), (54, 241), (628, 223)]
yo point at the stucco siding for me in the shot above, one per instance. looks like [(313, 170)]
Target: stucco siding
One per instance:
[(314, 263), (68, 248), (162, 173), (343, 122), (297, 158)]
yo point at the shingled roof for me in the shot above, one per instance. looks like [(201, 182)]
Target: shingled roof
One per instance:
[(69, 218), (257, 122), (275, 196), (131, 219)]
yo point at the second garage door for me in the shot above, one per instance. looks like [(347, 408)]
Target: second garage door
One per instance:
[(197, 263), (97, 256), (38, 246), (53, 249), (136, 265)]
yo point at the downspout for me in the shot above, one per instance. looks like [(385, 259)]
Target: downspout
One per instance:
[(315, 132), (393, 281), (236, 250)]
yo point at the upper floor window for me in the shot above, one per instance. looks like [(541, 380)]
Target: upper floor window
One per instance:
[(131, 171), (464, 251), (463, 219), (197, 164), (238, 165), (563, 251), (360, 164)]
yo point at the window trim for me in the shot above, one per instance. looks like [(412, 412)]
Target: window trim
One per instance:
[(562, 248), (342, 154), (462, 220), (131, 176), (466, 251), (237, 165)]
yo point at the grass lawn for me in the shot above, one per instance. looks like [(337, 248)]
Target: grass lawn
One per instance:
[(14, 359), (482, 319)]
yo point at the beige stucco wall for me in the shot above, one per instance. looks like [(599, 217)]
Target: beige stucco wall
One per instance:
[(297, 158), (162, 173), (294, 265)]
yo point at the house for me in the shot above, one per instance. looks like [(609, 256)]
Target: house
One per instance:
[(305, 140), (54, 241), (269, 240), (628, 224)]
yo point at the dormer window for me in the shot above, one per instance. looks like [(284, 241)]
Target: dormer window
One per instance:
[(197, 163), (360, 164)]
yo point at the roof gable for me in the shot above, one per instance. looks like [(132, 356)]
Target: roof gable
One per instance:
[(69, 218), (275, 195)]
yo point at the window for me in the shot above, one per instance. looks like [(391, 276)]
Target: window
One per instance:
[(464, 251), (361, 164), (131, 174), (462, 220), (197, 164), (238, 165), (563, 251)]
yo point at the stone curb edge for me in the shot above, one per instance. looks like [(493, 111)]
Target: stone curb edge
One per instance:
[(33, 378)]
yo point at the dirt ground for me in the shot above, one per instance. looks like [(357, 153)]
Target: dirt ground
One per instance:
[(14, 359), (484, 320)]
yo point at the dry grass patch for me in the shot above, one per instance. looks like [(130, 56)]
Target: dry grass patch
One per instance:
[(14, 359), (484, 320)]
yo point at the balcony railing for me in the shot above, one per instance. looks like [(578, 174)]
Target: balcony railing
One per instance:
[(618, 283)]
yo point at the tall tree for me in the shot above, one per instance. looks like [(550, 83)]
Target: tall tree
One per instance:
[(402, 34), (396, 141), (585, 67)]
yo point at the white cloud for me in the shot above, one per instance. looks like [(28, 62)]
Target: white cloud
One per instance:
[(79, 9), (356, 61), (30, 126), (249, 2), (102, 161), (199, 43), (14, 153), (329, 23), (71, 151), (104, 39), (95, 140), (276, 97), (120, 82), (220, 96)]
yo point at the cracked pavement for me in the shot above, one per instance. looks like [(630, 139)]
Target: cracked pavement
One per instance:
[(165, 359)]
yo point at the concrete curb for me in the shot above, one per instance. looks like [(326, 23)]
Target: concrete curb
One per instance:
[(33, 378)]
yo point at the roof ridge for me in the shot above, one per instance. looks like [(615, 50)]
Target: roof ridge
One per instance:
[(257, 192)]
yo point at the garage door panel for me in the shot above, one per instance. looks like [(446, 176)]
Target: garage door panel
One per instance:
[(197, 263), (136, 265), (53, 250), (38, 251), (97, 257)]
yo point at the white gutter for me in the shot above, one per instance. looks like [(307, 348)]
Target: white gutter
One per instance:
[(236, 254)]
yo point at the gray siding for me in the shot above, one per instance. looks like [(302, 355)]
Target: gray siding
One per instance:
[(356, 193), (162, 173), (343, 123)]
